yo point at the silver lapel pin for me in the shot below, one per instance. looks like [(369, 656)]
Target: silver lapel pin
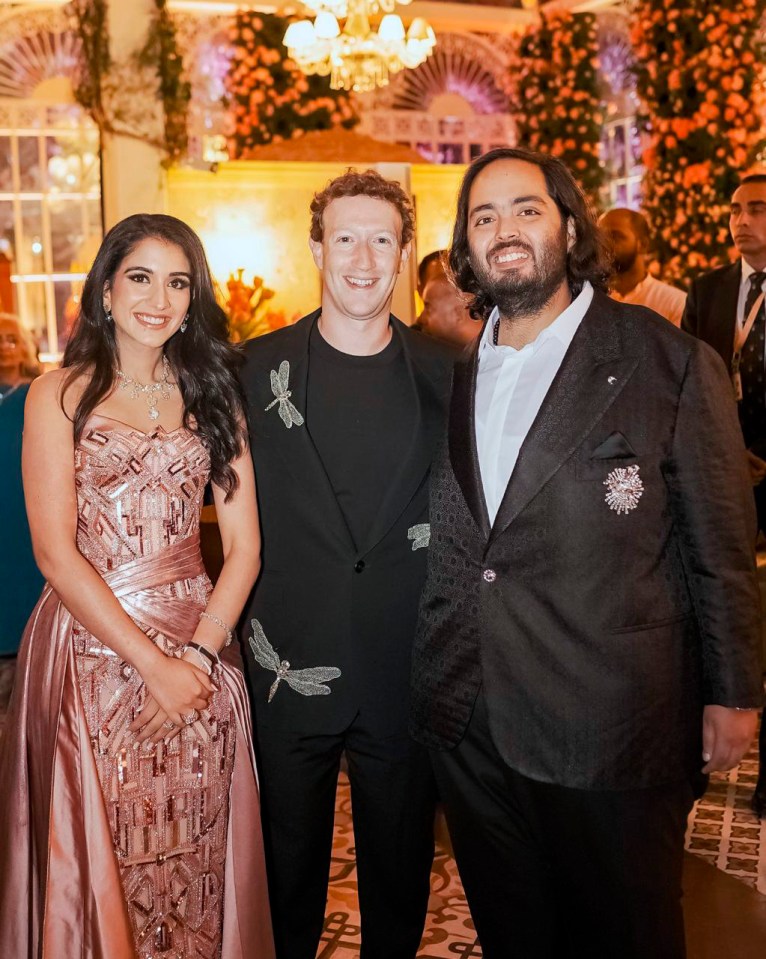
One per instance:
[(307, 682), (611, 380), (279, 387), (420, 534)]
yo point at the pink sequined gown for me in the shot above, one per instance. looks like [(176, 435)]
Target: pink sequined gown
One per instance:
[(108, 852)]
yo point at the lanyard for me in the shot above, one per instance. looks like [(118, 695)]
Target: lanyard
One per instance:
[(740, 338)]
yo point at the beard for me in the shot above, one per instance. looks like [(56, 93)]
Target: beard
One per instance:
[(623, 262), (515, 294)]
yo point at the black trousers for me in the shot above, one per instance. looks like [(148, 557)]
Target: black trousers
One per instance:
[(393, 801), (552, 871)]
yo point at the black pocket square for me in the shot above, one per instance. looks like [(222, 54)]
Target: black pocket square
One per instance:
[(614, 447)]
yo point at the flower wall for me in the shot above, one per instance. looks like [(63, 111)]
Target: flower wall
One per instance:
[(699, 73), (557, 102), (270, 98)]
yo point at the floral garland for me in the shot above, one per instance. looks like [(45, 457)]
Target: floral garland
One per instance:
[(270, 98), (89, 18), (161, 52), (115, 93), (699, 77), (557, 99)]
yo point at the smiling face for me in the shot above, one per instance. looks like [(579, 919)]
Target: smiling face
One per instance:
[(518, 242), (747, 222), (150, 294), (360, 257)]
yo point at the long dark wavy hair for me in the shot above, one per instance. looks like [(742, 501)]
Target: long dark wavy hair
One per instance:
[(202, 360), (587, 260)]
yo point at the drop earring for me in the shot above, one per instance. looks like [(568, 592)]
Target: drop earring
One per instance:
[(184, 324)]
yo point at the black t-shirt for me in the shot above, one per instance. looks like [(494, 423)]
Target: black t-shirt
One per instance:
[(360, 412)]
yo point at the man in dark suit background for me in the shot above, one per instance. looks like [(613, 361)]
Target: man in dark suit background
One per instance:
[(717, 310), (588, 646), (346, 407)]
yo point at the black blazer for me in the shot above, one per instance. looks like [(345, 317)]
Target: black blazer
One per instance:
[(320, 600), (711, 309), (597, 636)]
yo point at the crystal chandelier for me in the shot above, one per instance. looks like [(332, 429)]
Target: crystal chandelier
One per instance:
[(357, 57)]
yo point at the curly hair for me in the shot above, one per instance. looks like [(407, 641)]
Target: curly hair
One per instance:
[(363, 183), (202, 359), (587, 260)]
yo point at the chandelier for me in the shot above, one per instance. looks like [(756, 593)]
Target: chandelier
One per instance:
[(357, 57)]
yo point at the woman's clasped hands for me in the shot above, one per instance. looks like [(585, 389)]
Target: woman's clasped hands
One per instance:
[(176, 691)]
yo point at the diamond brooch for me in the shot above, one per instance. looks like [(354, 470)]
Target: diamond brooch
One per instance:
[(624, 489)]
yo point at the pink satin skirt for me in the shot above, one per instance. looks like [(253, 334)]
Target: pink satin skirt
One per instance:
[(107, 852)]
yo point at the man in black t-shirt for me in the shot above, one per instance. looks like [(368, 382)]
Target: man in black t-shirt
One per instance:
[(346, 408)]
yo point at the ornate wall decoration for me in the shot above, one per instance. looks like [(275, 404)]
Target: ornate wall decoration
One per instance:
[(35, 46), (470, 65)]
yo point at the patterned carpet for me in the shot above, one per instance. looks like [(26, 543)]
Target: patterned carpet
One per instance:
[(724, 830)]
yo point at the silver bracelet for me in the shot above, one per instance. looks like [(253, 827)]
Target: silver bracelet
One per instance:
[(219, 622)]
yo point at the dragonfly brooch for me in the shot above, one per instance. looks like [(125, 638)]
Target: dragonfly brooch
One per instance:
[(307, 682), (279, 387)]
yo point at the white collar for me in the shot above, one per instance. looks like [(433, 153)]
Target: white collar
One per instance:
[(747, 272), (563, 328)]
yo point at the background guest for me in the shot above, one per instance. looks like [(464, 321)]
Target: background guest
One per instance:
[(445, 313), (719, 306), (631, 282), (20, 579)]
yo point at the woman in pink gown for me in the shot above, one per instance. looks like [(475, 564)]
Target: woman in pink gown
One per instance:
[(130, 824)]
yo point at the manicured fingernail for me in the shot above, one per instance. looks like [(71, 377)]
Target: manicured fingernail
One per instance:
[(706, 757)]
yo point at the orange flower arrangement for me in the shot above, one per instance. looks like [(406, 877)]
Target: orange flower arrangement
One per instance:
[(700, 78), (556, 96), (269, 98), (245, 306)]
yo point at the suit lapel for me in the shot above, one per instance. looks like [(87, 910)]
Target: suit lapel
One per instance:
[(723, 313), (296, 445), (462, 438), (594, 372), (411, 470)]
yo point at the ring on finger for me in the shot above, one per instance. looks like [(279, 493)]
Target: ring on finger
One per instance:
[(169, 724), (190, 718)]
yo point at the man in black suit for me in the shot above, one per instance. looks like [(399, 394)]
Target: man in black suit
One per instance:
[(717, 311), (588, 645), (346, 407)]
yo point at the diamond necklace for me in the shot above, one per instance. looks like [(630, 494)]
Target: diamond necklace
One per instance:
[(164, 388)]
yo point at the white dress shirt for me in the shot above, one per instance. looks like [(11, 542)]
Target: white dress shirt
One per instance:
[(744, 289), (661, 297), (510, 388)]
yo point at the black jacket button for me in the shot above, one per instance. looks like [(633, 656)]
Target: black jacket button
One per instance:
[(359, 565)]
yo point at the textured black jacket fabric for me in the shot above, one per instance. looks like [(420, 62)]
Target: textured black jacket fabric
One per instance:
[(320, 600), (711, 309), (602, 634)]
